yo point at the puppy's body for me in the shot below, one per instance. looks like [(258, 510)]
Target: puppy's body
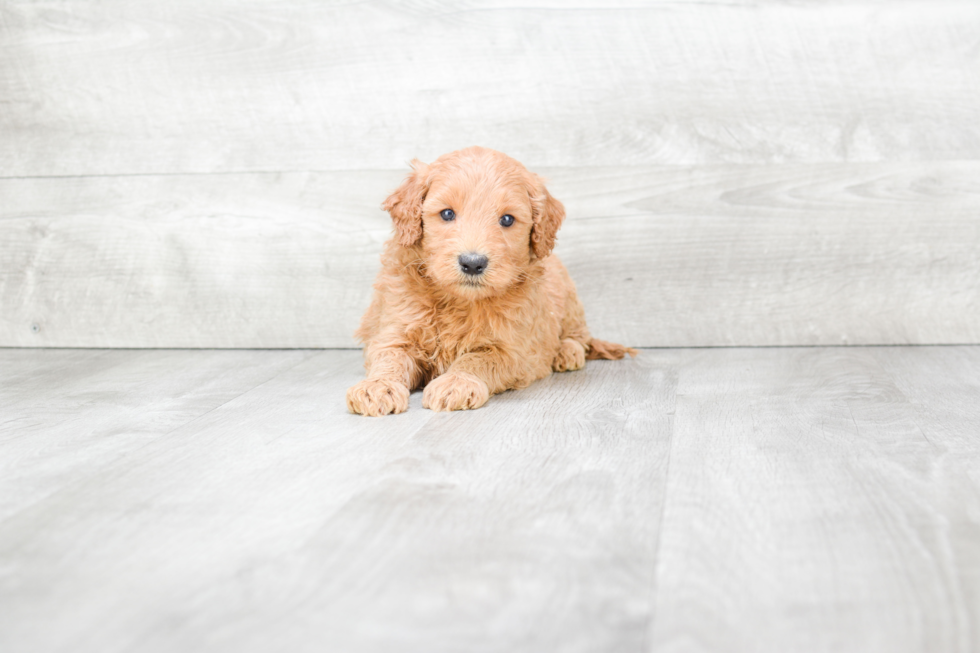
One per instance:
[(466, 335)]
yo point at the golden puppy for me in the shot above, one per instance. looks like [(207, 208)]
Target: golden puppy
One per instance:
[(468, 302)]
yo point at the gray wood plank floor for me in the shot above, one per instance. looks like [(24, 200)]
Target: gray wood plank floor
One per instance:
[(805, 499)]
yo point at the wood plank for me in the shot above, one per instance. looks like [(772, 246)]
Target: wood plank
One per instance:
[(277, 519), (792, 255), (190, 261), (27, 371), (120, 88), (876, 253), (945, 408), (810, 506), (79, 415)]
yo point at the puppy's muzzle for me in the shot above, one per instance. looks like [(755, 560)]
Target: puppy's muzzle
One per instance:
[(473, 264)]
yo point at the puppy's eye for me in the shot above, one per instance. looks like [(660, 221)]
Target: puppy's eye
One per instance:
[(506, 220), (448, 215)]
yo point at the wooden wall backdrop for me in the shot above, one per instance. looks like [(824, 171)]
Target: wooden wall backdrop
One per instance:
[(188, 174)]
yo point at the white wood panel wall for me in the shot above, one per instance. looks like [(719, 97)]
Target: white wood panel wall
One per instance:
[(192, 174)]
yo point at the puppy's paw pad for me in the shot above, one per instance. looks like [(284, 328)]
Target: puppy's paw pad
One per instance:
[(455, 391), (374, 397), (570, 356)]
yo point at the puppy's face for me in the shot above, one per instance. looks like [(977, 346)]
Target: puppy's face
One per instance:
[(476, 228), (479, 218)]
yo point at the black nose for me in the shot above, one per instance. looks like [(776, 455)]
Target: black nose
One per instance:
[(473, 263)]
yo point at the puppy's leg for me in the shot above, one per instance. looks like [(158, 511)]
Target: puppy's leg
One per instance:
[(391, 375), (468, 382), (574, 329), (571, 356)]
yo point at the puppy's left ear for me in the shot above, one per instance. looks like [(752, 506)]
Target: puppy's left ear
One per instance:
[(405, 205), (547, 214)]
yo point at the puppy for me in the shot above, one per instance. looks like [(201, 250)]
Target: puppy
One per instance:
[(469, 301)]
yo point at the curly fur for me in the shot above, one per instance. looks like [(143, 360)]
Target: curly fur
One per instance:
[(463, 338)]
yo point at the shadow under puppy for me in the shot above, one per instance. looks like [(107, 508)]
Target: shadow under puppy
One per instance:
[(469, 302)]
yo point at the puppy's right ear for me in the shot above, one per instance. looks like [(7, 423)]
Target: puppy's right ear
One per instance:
[(405, 205)]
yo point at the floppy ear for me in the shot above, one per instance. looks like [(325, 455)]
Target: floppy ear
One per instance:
[(405, 205), (547, 214)]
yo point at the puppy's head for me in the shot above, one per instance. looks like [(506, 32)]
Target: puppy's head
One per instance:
[(480, 219)]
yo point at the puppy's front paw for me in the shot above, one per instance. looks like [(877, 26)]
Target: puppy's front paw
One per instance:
[(571, 356), (455, 391), (374, 397)]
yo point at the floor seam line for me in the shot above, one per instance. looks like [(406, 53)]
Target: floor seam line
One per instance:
[(660, 522)]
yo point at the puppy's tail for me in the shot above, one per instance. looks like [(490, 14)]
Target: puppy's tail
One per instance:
[(607, 350)]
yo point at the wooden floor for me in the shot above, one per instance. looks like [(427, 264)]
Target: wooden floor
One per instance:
[(773, 499)]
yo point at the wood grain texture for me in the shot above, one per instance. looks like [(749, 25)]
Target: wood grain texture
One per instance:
[(190, 261), (65, 411), (785, 464), (816, 499), (276, 519), (120, 88), (875, 253)]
